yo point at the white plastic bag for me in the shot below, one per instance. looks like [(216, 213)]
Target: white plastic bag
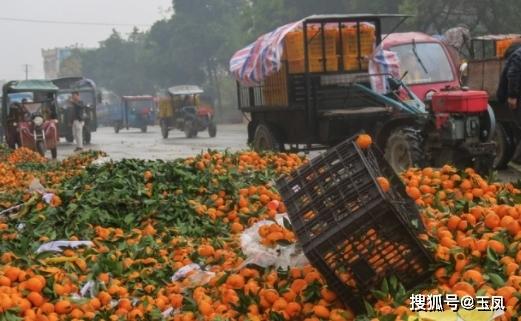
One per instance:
[(278, 256), (101, 161), (88, 288), (198, 278), (182, 272), (47, 197), (36, 186), (58, 246)]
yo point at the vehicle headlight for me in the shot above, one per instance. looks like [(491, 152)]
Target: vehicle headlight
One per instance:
[(38, 120)]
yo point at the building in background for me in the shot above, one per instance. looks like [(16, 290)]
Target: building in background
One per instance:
[(53, 60)]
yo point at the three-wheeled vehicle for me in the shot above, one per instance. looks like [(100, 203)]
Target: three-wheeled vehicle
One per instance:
[(134, 111), (183, 110), (483, 72), (323, 92), (89, 96), (29, 114)]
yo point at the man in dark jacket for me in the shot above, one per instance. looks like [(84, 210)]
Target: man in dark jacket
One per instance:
[(509, 89)]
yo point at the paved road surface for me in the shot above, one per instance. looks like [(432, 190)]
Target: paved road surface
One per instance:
[(133, 143), (150, 145)]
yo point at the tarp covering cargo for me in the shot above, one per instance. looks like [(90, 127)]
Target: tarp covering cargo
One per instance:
[(264, 57)]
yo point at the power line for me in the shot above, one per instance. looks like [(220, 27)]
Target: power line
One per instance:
[(83, 23)]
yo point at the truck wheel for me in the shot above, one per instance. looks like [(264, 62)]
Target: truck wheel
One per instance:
[(40, 148), (504, 147), (265, 140), (164, 129), (404, 149), (212, 129)]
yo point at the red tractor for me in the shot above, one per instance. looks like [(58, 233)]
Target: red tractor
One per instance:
[(461, 125)]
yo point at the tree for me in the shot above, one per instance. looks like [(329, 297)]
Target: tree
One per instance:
[(481, 16)]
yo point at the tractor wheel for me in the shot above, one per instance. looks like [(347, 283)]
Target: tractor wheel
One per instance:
[(264, 139), (189, 128), (404, 149), (40, 148), (164, 128), (504, 147), (212, 129)]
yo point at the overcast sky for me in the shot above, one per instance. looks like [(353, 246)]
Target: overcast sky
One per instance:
[(22, 41)]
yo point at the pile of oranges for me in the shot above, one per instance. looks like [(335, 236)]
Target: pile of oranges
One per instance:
[(473, 228)]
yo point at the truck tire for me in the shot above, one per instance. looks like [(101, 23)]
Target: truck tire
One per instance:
[(504, 147), (265, 140), (404, 149), (40, 148)]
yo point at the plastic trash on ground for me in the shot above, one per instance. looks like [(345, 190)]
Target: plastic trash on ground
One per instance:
[(58, 246), (195, 275), (101, 161), (279, 256)]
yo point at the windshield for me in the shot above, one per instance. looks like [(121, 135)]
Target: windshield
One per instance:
[(428, 63), (85, 96), (140, 104), (18, 97)]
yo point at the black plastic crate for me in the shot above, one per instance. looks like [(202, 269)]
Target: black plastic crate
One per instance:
[(339, 184), (359, 253)]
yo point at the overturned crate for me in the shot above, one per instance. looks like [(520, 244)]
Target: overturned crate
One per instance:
[(355, 233)]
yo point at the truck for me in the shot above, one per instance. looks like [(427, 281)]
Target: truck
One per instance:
[(324, 92), (483, 72)]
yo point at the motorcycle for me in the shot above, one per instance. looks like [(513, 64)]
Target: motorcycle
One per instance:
[(38, 133)]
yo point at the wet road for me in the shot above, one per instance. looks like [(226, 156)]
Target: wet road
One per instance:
[(133, 143)]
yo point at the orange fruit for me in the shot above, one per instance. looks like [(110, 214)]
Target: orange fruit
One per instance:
[(34, 284), (36, 299), (492, 220), (496, 246), (63, 307), (364, 141), (321, 311), (384, 183)]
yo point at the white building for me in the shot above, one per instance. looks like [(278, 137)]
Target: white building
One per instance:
[(52, 59)]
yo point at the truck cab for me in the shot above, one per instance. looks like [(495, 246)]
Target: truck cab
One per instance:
[(425, 62)]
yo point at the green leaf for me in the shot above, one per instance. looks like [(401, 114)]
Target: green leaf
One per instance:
[(496, 280)]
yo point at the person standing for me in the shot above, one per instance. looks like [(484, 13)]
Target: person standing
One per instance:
[(509, 89), (78, 119)]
